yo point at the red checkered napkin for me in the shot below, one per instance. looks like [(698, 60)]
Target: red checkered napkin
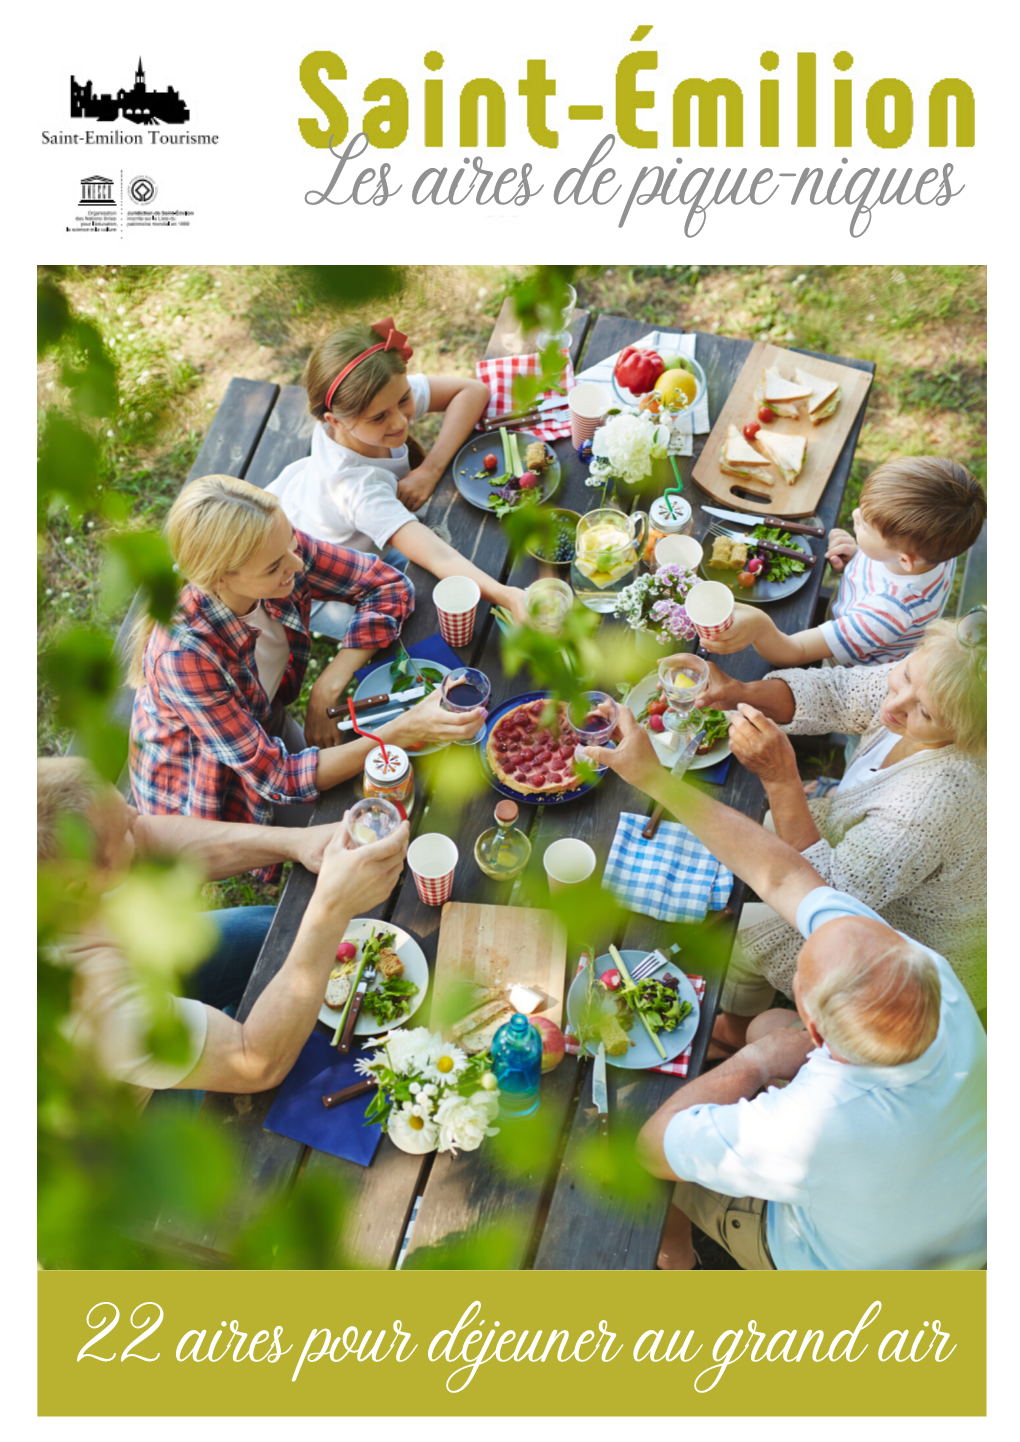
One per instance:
[(498, 375), (678, 1066)]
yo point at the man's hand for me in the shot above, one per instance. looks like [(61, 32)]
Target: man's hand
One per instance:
[(427, 724), (749, 622), (351, 882), (760, 746), (310, 842), (417, 486), (722, 691), (842, 548), (633, 758), (781, 1053)]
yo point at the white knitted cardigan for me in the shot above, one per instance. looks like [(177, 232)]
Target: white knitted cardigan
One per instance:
[(909, 841)]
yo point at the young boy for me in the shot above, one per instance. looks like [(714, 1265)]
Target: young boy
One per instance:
[(916, 515)]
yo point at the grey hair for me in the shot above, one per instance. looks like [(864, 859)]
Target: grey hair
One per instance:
[(877, 1006)]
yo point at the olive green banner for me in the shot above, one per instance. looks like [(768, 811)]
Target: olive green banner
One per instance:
[(524, 1343)]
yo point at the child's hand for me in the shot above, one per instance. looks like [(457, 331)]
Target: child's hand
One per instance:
[(416, 487), (748, 622), (842, 548)]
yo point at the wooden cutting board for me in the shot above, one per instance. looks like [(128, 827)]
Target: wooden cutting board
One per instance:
[(500, 946), (825, 441)]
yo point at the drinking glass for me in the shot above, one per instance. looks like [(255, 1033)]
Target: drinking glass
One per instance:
[(684, 681), (591, 716), (371, 819), (548, 601), (462, 690)]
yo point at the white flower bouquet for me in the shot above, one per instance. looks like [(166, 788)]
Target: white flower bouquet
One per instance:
[(623, 449), (432, 1095), (654, 604)]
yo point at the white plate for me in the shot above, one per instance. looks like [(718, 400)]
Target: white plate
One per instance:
[(416, 969), (641, 1054), (379, 682), (641, 692)]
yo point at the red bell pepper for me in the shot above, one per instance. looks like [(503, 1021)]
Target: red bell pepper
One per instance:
[(638, 368)]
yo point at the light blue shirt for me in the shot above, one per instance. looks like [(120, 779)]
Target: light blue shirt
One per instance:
[(862, 1166)]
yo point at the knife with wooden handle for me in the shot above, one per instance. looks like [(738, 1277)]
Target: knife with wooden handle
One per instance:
[(367, 977), (346, 1094)]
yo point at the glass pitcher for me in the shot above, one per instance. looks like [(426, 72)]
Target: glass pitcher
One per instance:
[(606, 552)]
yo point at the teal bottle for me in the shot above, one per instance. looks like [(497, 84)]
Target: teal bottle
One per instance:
[(517, 1064)]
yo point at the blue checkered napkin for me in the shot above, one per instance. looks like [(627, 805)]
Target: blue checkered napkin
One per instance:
[(672, 877)]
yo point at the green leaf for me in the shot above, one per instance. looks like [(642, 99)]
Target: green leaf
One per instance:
[(140, 560), (53, 315), (68, 469)]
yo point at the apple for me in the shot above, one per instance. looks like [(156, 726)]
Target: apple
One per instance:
[(554, 1043)]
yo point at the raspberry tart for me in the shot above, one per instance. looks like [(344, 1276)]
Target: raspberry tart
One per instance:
[(533, 759)]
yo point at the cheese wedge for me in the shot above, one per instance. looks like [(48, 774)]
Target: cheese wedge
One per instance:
[(824, 397), (787, 452), (777, 388)]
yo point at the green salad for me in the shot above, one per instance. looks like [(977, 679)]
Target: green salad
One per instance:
[(774, 568), (390, 1001)]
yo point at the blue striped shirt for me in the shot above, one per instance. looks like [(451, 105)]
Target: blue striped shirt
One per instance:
[(880, 617)]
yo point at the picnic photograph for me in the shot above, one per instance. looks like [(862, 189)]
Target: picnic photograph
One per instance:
[(511, 780)]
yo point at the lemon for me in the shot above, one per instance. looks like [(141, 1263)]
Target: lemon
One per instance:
[(676, 387)]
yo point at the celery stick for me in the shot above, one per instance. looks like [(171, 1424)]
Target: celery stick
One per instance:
[(350, 997), (518, 467), (508, 458), (626, 977)]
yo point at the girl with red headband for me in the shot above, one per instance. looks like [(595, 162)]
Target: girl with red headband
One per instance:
[(366, 475)]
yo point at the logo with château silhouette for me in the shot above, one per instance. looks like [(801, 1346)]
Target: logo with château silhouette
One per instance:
[(140, 105)]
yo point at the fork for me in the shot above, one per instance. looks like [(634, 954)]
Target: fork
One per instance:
[(648, 965), (807, 557)]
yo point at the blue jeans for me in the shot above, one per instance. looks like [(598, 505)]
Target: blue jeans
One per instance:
[(221, 979), (333, 618)]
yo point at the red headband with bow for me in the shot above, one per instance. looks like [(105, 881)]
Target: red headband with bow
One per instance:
[(392, 339)]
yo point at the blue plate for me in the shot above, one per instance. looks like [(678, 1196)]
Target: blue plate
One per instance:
[(509, 791), (642, 1054)]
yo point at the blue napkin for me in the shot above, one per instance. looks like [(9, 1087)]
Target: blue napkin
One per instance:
[(672, 877), (298, 1112), (433, 648), (715, 774)]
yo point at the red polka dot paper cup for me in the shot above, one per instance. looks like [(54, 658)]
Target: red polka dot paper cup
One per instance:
[(456, 602), (588, 403), (433, 860), (710, 606)]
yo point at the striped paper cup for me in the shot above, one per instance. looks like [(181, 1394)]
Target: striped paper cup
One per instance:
[(710, 606), (433, 860), (588, 404), (456, 602)]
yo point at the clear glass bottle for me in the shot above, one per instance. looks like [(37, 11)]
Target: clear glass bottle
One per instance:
[(503, 851), (517, 1064), (392, 778), (672, 517)]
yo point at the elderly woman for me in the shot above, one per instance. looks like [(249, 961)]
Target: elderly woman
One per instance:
[(903, 831)]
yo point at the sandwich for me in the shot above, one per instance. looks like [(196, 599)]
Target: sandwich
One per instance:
[(473, 1033), (737, 458), (786, 452), (780, 394), (824, 398), (728, 554)]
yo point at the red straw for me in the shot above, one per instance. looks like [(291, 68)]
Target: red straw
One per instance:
[(378, 740)]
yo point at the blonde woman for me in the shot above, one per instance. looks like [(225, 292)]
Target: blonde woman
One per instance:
[(903, 831), (210, 735)]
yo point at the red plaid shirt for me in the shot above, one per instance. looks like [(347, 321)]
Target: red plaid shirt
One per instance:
[(198, 741)]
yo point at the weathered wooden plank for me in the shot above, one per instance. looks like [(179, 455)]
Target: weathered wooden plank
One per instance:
[(287, 437), (236, 428)]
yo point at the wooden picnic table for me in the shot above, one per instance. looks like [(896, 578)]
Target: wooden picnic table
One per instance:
[(549, 1215)]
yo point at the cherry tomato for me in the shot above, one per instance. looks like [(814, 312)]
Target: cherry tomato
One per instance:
[(766, 414), (490, 462), (746, 578), (658, 707), (751, 430)]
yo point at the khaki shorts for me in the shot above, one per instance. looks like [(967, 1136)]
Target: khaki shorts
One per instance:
[(738, 1224)]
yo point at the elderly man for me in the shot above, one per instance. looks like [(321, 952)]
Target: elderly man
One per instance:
[(110, 1008), (873, 1155)]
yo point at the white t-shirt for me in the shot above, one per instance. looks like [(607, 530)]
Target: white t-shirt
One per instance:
[(862, 768), (340, 496), (862, 1166), (272, 649), (110, 1013)]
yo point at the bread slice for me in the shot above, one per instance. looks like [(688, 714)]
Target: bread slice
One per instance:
[(787, 452), (790, 411), (778, 388), (824, 398), (480, 1039), (388, 963), (737, 458), (338, 988), (497, 1009)]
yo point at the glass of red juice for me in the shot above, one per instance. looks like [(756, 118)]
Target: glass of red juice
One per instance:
[(591, 716), (464, 689)]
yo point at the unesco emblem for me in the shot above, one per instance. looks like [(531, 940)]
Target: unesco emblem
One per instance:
[(142, 190)]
